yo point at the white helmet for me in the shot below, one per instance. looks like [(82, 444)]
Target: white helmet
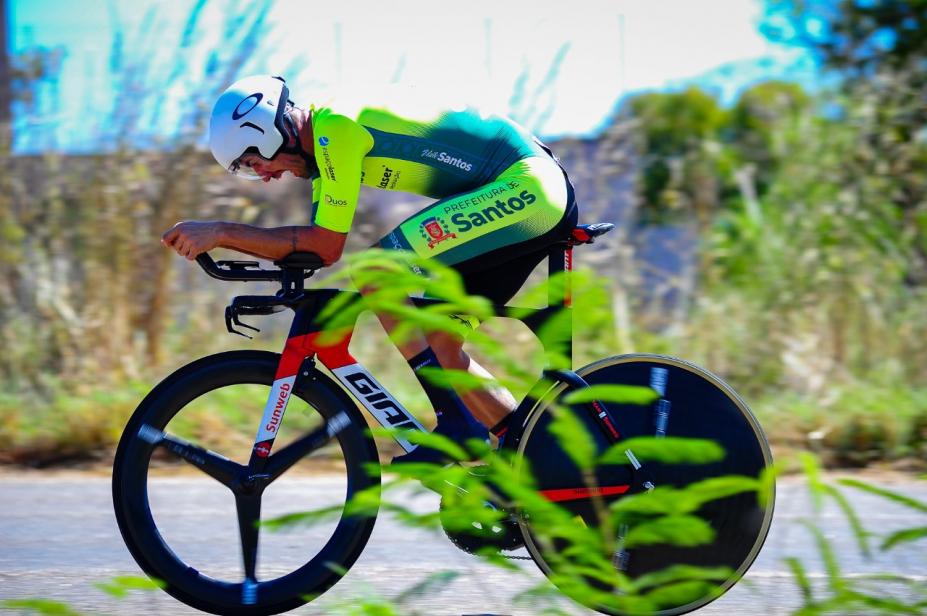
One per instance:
[(249, 117)]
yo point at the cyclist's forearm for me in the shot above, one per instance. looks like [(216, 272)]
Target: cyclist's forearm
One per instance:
[(275, 243)]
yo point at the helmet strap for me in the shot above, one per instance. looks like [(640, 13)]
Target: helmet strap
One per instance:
[(298, 148)]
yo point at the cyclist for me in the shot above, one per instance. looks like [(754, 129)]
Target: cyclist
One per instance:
[(503, 198)]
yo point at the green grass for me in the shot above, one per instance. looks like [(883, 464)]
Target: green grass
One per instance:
[(848, 426)]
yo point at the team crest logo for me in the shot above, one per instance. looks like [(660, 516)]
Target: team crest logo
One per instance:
[(435, 230)]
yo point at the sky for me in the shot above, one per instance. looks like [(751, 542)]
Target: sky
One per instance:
[(498, 55)]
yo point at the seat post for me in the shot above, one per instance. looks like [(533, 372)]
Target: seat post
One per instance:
[(560, 261)]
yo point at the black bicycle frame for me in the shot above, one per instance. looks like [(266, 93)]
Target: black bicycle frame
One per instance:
[(308, 341)]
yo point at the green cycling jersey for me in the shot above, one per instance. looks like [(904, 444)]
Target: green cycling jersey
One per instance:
[(451, 153)]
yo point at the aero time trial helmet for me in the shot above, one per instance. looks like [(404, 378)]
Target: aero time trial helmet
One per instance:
[(249, 117)]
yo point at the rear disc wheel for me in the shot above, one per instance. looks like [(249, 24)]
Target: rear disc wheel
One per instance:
[(694, 404)]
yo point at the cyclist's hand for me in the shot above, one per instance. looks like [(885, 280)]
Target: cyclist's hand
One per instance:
[(191, 238)]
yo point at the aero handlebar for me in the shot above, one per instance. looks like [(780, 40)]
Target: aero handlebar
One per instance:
[(308, 262)]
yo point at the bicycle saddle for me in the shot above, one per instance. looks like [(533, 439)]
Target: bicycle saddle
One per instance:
[(586, 234)]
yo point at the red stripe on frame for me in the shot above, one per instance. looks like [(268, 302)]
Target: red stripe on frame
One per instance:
[(569, 494), (291, 359), (333, 354)]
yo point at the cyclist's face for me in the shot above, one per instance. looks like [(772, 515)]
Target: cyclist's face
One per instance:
[(274, 169)]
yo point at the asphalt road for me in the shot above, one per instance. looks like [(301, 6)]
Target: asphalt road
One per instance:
[(58, 536)]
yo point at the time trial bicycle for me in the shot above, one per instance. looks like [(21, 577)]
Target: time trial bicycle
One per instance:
[(689, 402)]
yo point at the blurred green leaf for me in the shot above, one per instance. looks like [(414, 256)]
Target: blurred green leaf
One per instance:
[(681, 593), (366, 502), (767, 487), (436, 441), (831, 560), (493, 557), (904, 536), (817, 487), (433, 582), (543, 592), (572, 437), (665, 500), (120, 586), (895, 497), (459, 380), (372, 607), (859, 532), (876, 605), (679, 573), (677, 530), (302, 518), (39, 606), (618, 394), (336, 568), (668, 450), (801, 578)]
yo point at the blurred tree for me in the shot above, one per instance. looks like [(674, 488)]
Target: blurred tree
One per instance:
[(697, 155), (678, 134), (860, 38), (754, 126), (878, 48)]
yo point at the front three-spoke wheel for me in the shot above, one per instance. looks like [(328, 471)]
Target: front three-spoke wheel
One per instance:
[(204, 539)]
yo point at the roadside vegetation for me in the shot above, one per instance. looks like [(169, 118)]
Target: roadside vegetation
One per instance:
[(804, 288)]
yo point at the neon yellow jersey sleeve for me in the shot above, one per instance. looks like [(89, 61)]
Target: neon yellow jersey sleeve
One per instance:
[(340, 147)]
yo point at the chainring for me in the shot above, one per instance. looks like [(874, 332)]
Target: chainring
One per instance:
[(502, 535)]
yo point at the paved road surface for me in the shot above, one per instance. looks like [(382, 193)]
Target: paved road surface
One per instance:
[(58, 536)]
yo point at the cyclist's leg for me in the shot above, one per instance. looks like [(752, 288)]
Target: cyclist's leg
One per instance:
[(494, 236)]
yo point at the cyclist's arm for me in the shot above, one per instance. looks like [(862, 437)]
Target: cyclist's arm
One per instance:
[(340, 147), (276, 243)]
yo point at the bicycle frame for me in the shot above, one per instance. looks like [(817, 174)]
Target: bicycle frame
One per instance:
[(305, 344)]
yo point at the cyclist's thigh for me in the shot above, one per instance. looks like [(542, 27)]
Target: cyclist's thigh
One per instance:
[(529, 200)]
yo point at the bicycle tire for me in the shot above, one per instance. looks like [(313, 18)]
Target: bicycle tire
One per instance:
[(741, 522), (143, 537)]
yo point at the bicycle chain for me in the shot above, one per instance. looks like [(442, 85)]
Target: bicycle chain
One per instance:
[(513, 557)]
